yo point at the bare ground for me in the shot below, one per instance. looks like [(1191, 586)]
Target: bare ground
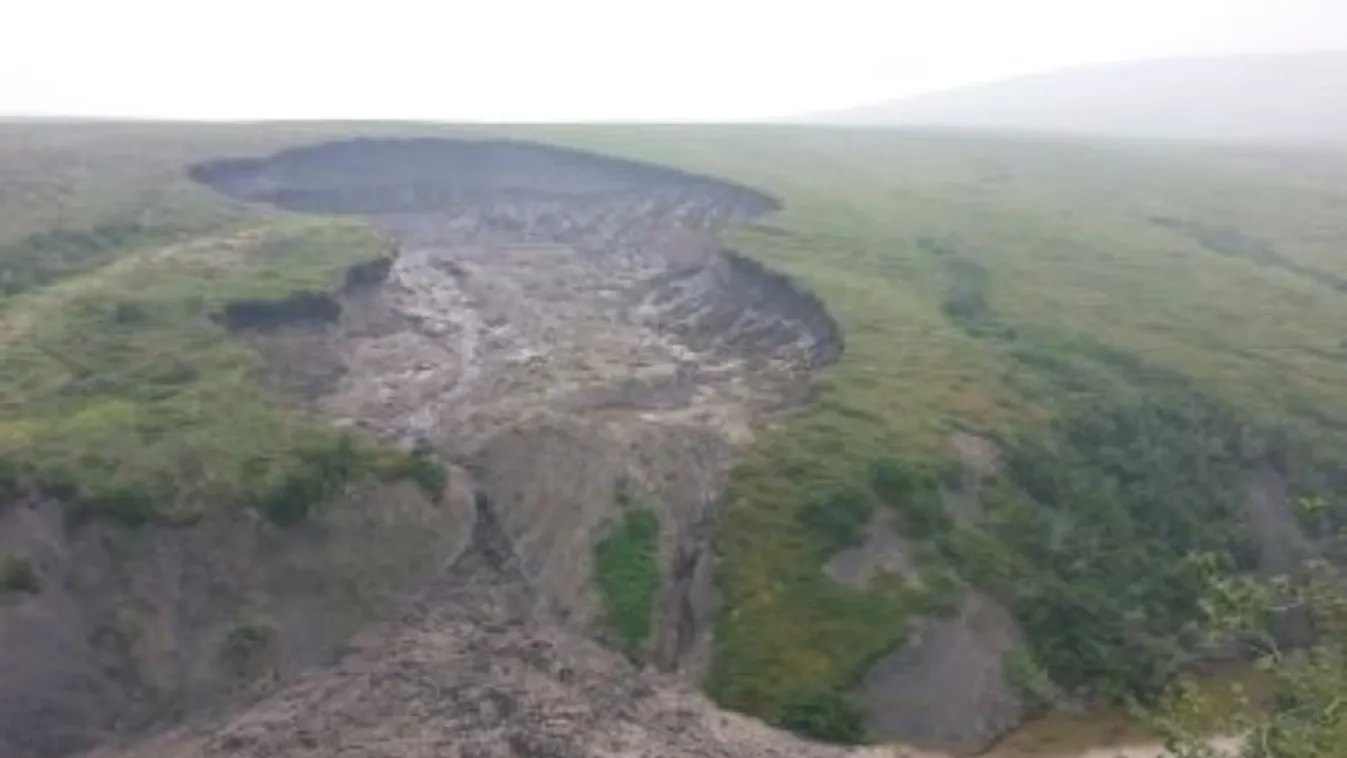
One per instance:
[(559, 326)]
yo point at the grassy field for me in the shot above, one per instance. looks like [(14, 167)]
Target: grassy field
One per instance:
[(118, 391), (1004, 285), (1000, 285)]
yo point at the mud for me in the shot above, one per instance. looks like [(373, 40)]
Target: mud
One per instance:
[(466, 672), (557, 321), (946, 688), (562, 326)]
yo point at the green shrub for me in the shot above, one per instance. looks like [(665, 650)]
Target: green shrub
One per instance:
[(421, 467), (320, 471), (50, 256), (1092, 551), (11, 481), (626, 568), (912, 493), (895, 481), (246, 635), (923, 515), (826, 715), (1029, 680), (123, 504), (836, 518), (17, 575)]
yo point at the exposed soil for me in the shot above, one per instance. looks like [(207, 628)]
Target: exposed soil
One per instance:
[(946, 688), (131, 628), (467, 672), (559, 325), (558, 322)]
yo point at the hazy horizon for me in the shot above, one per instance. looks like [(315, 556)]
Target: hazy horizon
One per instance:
[(590, 60)]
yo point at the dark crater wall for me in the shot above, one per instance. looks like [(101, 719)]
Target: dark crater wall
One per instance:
[(652, 223), (558, 321), (532, 279), (378, 176)]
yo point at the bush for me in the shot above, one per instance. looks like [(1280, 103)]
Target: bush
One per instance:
[(835, 519), (923, 516), (124, 504), (246, 636), (421, 467), (912, 493), (826, 715), (626, 568), (322, 469), (17, 575), (894, 481), (11, 481)]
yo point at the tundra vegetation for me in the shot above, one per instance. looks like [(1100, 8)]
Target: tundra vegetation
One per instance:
[(1137, 328)]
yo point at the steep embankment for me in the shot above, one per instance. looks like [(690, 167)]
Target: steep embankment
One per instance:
[(1035, 331), (565, 329), (568, 327), (185, 539)]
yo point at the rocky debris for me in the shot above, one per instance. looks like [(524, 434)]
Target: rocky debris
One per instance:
[(558, 321), (947, 688)]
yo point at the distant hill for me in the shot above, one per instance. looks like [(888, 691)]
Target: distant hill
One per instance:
[(1300, 97)]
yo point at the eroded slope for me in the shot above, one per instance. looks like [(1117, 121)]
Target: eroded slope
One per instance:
[(565, 325)]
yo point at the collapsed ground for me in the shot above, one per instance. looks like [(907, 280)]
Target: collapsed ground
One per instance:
[(1035, 333), (564, 330)]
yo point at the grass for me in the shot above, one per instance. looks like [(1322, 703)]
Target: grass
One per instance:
[(121, 395), (626, 571), (953, 264), (984, 282)]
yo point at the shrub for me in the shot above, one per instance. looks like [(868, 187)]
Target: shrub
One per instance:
[(912, 493), (826, 715), (893, 480), (321, 470), (17, 575), (626, 568), (421, 467), (836, 518)]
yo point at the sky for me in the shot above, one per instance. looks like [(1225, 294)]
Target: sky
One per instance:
[(576, 60)]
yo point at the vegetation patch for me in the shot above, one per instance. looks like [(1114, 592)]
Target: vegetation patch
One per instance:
[(827, 715), (17, 575), (836, 518), (1023, 286), (122, 397), (626, 570), (1016, 285), (46, 257)]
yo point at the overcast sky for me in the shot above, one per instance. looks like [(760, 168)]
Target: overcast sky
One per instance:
[(587, 59)]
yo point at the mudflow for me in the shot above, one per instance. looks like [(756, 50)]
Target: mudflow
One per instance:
[(567, 331)]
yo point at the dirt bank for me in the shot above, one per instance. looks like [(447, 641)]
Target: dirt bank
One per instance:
[(559, 322)]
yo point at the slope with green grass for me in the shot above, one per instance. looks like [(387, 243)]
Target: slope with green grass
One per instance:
[(1039, 293), (124, 397), (1026, 289)]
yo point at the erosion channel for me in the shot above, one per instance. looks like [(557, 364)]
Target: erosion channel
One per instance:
[(565, 330)]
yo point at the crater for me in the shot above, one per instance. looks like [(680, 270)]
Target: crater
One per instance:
[(557, 321), (382, 176)]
